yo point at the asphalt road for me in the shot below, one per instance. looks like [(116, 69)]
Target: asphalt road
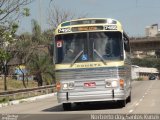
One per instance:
[(145, 100)]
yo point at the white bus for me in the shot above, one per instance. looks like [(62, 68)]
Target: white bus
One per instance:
[(92, 62)]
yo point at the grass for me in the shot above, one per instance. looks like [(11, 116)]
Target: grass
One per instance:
[(3, 100), (139, 79), (13, 84), (18, 97)]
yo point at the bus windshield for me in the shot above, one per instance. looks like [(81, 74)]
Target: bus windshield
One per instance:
[(91, 46), (107, 45)]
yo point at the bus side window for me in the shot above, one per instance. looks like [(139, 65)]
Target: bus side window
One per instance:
[(126, 45)]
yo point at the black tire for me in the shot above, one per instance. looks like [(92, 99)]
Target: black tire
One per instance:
[(122, 103), (129, 98), (79, 104), (67, 106)]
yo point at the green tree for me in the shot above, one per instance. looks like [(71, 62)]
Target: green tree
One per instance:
[(10, 13), (48, 35), (40, 63), (33, 52), (147, 62), (23, 52), (13, 10), (41, 66), (157, 52), (5, 40)]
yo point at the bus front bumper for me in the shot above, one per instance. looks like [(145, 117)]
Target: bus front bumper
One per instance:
[(90, 96)]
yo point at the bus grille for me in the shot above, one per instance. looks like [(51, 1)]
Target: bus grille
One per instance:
[(90, 73)]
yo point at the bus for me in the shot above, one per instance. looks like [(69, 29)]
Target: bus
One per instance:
[(92, 62)]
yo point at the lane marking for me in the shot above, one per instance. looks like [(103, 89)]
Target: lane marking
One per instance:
[(130, 111), (137, 104)]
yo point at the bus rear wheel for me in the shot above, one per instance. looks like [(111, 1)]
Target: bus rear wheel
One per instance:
[(67, 106)]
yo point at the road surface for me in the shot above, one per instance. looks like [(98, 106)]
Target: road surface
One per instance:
[(145, 100)]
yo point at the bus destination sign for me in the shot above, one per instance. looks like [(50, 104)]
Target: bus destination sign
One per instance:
[(87, 28)]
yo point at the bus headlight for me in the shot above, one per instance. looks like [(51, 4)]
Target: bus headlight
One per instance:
[(114, 84), (65, 86), (71, 85), (108, 83), (68, 86), (111, 83)]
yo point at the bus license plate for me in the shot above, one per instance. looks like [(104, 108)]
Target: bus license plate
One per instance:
[(90, 84)]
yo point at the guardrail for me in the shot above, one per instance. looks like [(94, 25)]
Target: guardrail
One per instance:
[(25, 93)]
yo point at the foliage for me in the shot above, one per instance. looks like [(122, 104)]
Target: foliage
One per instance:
[(12, 10), (157, 52), (40, 62), (41, 67), (33, 52), (147, 62), (5, 39), (26, 12), (36, 32), (24, 48), (4, 55), (10, 13), (139, 79)]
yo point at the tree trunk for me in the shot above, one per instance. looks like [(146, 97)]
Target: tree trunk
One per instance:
[(24, 84), (5, 76), (39, 79), (23, 80), (5, 82)]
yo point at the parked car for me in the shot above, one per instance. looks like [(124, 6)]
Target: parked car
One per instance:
[(152, 77)]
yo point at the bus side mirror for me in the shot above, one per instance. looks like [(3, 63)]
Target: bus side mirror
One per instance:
[(126, 45)]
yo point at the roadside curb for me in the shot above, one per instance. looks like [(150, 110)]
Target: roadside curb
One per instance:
[(31, 99)]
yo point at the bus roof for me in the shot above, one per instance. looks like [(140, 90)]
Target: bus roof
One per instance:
[(94, 24)]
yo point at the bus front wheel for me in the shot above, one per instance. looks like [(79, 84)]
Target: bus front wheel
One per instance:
[(129, 98), (67, 106), (122, 103)]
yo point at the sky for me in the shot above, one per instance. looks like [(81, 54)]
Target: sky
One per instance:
[(134, 15)]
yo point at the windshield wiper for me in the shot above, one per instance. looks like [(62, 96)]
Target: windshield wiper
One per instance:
[(99, 55), (75, 59)]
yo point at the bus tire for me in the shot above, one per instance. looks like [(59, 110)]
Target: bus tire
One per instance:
[(129, 98), (122, 103), (67, 106)]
